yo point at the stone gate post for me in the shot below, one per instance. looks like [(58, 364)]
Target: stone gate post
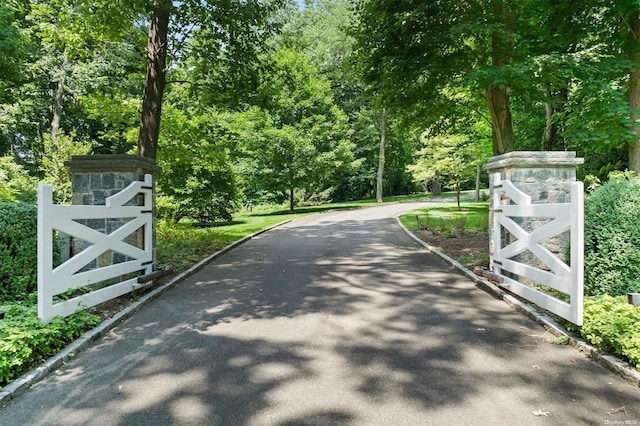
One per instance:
[(96, 177), (546, 176)]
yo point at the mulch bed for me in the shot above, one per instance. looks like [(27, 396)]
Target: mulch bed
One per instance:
[(467, 247)]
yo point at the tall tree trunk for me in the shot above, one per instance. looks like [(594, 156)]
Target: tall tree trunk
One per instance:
[(554, 108), (380, 174), (550, 130), (498, 97), (499, 105), (154, 82), (634, 91)]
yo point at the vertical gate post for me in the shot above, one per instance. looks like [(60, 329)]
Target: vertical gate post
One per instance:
[(546, 176), (96, 177)]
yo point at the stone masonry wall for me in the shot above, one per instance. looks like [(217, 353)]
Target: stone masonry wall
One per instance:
[(547, 178), (94, 178)]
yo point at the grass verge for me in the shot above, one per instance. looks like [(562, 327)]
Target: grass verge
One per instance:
[(446, 217)]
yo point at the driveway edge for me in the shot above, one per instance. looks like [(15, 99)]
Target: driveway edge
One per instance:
[(610, 362), (24, 382)]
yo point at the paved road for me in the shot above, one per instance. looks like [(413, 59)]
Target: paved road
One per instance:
[(339, 318)]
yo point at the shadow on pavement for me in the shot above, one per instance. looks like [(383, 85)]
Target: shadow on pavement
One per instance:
[(329, 323)]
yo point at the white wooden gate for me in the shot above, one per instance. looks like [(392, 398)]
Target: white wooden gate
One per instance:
[(568, 279), (59, 286)]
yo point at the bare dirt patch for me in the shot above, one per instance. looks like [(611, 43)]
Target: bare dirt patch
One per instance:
[(470, 248)]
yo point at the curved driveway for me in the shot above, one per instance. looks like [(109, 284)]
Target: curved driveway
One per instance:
[(339, 318)]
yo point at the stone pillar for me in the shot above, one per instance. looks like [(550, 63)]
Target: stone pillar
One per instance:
[(94, 178), (546, 176)]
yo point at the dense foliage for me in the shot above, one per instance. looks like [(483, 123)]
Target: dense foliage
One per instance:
[(545, 74), (316, 81), (612, 238), (15, 182), (611, 324), (18, 250), (26, 342)]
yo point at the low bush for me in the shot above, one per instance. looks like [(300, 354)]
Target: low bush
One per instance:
[(26, 342), (18, 250), (209, 208), (613, 325), (180, 245), (612, 238)]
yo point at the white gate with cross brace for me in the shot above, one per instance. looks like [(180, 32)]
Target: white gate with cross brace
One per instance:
[(558, 275), (58, 286)]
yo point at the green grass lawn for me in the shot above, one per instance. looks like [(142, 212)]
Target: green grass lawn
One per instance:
[(444, 217)]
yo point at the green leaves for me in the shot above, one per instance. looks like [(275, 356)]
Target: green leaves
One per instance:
[(18, 251), (26, 342), (15, 182), (612, 238), (301, 135), (611, 324), (198, 179)]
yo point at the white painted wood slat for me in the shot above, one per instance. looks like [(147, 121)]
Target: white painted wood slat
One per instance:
[(563, 217), (73, 274)]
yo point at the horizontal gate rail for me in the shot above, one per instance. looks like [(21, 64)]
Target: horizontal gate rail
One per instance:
[(568, 279), (64, 279)]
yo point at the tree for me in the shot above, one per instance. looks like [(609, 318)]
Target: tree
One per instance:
[(197, 179), (302, 142), (632, 20), (411, 50), (235, 32), (13, 44), (453, 158), (155, 79)]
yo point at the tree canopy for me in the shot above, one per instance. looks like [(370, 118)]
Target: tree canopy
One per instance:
[(250, 101)]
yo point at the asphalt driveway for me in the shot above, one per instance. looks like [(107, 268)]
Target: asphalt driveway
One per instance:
[(339, 318)]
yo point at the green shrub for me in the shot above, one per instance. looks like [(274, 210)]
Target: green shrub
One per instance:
[(15, 182), (611, 324), (18, 250), (180, 245), (25, 341), (612, 238)]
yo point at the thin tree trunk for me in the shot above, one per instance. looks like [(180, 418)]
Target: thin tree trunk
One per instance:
[(57, 100), (291, 206), (380, 174), (154, 82), (550, 130), (478, 173), (634, 92), (57, 109)]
